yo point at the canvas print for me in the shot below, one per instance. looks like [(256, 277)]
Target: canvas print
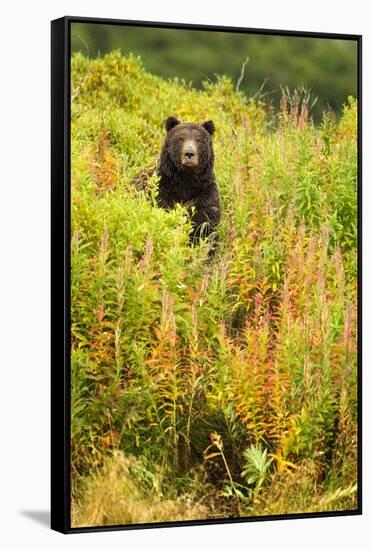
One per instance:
[(213, 275)]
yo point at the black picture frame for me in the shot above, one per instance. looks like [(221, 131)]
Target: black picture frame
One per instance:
[(60, 271)]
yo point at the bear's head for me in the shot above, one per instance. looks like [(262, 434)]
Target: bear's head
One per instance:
[(188, 147)]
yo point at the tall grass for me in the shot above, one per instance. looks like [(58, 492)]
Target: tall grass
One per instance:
[(211, 389)]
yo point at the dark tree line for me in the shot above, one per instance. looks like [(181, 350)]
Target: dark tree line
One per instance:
[(326, 67)]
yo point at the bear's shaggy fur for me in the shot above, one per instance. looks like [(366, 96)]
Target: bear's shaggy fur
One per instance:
[(186, 170)]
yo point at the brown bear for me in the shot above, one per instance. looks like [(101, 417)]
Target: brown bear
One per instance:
[(186, 171)]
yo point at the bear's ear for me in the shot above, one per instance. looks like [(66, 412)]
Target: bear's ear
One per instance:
[(171, 122), (209, 126)]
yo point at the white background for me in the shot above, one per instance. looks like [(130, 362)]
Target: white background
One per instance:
[(24, 287)]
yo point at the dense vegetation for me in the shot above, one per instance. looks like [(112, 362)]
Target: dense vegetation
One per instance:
[(327, 67), (205, 389)]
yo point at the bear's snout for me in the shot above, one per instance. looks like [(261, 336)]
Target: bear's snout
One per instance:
[(189, 154)]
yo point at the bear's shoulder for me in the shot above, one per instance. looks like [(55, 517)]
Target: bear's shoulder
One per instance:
[(140, 180)]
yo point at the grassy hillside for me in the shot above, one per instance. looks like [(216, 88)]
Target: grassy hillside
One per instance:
[(210, 389), (326, 66)]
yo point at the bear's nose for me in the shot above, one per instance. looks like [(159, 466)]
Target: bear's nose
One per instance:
[(189, 153)]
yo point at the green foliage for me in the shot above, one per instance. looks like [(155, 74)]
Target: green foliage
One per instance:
[(256, 466), (255, 351), (328, 67)]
